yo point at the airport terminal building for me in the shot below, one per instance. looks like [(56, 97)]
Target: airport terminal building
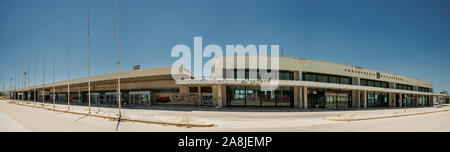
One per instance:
[(303, 83)]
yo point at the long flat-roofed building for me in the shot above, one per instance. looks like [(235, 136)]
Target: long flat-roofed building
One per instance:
[(303, 83)]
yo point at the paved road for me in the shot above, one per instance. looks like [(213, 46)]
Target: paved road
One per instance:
[(21, 118)]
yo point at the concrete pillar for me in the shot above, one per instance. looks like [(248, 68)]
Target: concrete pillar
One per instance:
[(295, 95), (300, 97), (400, 99), (300, 75), (365, 99), (432, 101), (199, 95), (219, 96), (305, 97), (356, 99), (416, 103), (391, 102)]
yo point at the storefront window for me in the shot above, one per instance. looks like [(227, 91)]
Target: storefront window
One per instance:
[(139, 98), (110, 98), (253, 96)]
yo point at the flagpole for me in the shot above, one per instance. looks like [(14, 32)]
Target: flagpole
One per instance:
[(54, 50), (89, 63), (28, 84), (43, 77), (10, 88), (68, 73), (34, 86)]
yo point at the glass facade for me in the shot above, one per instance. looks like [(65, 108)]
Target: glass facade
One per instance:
[(375, 99), (252, 96), (403, 87), (282, 75), (329, 99), (316, 77), (139, 98), (374, 83), (421, 89)]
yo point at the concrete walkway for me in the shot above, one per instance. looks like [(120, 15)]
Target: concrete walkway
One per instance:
[(38, 119)]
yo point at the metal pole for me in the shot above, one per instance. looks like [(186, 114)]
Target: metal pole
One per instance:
[(89, 63), (10, 88), (15, 84), (68, 73), (43, 77), (24, 82), (54, 50), (118, 63), (34, 86), (28, 84)]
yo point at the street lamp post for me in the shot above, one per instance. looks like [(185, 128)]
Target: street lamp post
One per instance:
[(118, 63)]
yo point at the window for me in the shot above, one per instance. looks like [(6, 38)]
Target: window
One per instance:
[(384, 85), (310, 77), (370, 83), (206, 89), (326, 78), (334, 79), (345, 81), (284, 75), (322, 78), (377, 84), (363, 82), (193, 89)]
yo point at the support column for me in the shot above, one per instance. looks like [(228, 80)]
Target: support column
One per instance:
[(400, 100), (296, 96), (305, 97), (199, 95), (300, 97), (390, 100), (219, 96), (417, 100), (356, 99), (432, 101), (365, 99)]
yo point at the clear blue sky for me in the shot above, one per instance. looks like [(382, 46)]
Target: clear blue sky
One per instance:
[(407, 37)]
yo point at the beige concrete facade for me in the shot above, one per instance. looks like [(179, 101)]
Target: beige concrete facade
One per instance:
[(190, 91)]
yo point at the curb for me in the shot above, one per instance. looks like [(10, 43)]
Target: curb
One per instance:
[(372, 118), (124, 119)]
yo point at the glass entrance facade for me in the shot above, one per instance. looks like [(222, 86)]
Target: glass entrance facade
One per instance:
[(329, 99), (139, 98), (110, 98), (252, 96)]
